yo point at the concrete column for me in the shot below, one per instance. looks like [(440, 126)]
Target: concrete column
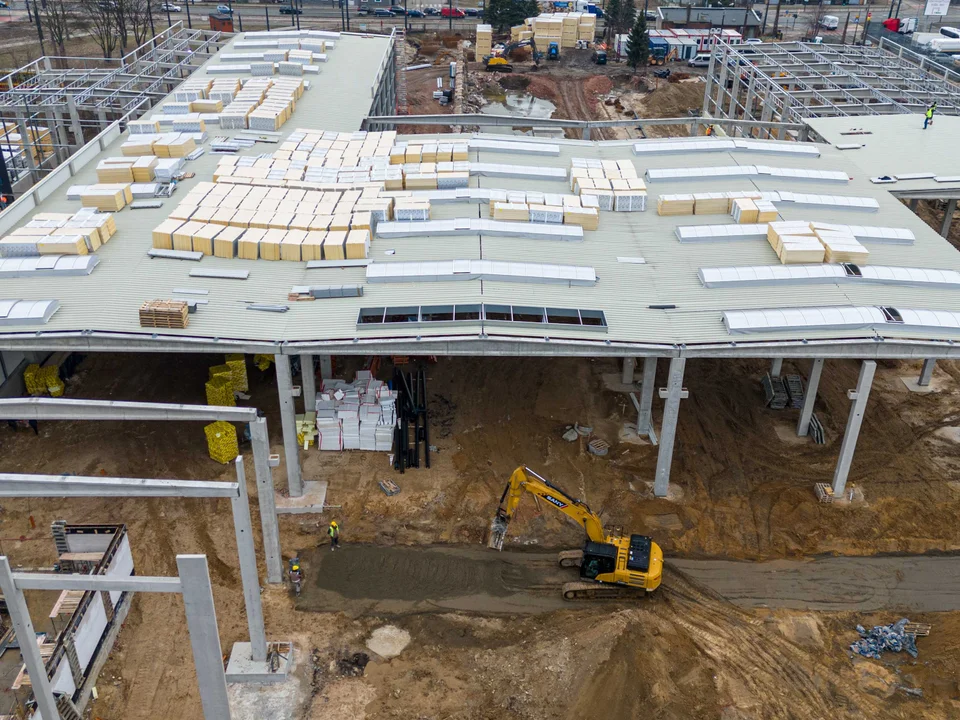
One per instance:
[(644, 420), (326, 366), (57, 134), (586, 132), (854, 420), (948, 217), (27, 636), (776, 367), (926, 373), (75, 125), (265, 495), (309, 383), (626, 374), (668, 431), (810, 397), (204, 636), (248, 566), (288, 419), (913, 204), (28, 148)]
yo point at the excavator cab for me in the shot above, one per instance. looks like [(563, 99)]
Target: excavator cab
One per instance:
[(598, 559)]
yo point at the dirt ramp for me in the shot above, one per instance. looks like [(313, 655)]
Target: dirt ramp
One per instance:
[(360, 579)]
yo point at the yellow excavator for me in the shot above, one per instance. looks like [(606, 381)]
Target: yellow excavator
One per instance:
[(611, 566)]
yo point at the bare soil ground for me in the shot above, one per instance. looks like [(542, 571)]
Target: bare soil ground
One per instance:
[(741, 492)]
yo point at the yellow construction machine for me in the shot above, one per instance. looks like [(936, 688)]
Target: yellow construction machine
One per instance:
[(611, 566)]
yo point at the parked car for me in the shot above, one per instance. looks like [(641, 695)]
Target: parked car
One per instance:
[(224, 9), (753, 41), (701, 60), (452, 12), (473, 12), (170, 7), (382, 12), (3, 4), (415, 13), (363, 10), (398, 10), (287, 10), (431, 11)]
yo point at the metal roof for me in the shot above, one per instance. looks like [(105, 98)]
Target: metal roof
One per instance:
[(659, 304)]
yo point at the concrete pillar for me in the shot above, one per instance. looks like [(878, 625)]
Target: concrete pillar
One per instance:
[(57, 134), (926, 373), (948, 217), (309, 383), (27, 637), (586, 132), (288, 420), (75, 125), (204, 636), (626, 373), (644, 419), (810, 397), (776, 367), (265, 496), (27, 148), (854, 420), (913, 204), (102, 118), (248, 566), (326, 366), (668, 430)]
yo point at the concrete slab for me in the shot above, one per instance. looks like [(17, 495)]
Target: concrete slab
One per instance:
[(279, 701), (611, 381), (243, 669), (937, 383), (314, 495), (787, 433)]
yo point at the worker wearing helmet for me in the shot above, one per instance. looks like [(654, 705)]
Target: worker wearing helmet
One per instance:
[(334, 532)]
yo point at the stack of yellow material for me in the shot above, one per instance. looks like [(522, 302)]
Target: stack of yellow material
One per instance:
[(270, 244), (777, 230), (248, 246), (204, 236), (138, 145), (237, 363), (180, 146), (842, 246), (221, 370), (306, 429), (587, 218), (291, 244), (710, 203), (183, 235), (106, 198), (222, 441), (587, 29), (675, 205), (515, 32), (226, 241), (262, 361), (206, 106), (796, 249), (49, 378), (357, 245), (115, 170), (143, 168), (73, 244), (312, 246), (220, 391), (484, 45), (33, 380), (568, 30), (333, 245), (744, 211), (766, 211), (511, 211)]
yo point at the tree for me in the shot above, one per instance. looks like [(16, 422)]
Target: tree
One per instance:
[(503, 14), (59, 18), (121, 10), (101, 18), (638, 44), (613, 10), (140, 19)]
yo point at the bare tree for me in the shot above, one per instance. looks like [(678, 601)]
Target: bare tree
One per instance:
[(122, 10), (140, 19), (59, 19), (100, 17)]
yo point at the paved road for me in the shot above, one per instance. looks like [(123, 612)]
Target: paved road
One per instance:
[(917, 583)]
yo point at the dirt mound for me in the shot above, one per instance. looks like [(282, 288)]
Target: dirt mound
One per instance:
[(598, 85), (544, 88), (672, 100)]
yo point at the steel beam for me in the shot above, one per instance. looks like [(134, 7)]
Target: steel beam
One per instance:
[(265, 496), (926, 373), (810, 397), (309, 375), (854, 421), (668, 431), (39, 408), (27, 636), (644, 415), (55, 486), (288, 420), (204, 636), (248, 566)]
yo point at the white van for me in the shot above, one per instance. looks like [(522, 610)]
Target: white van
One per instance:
[(701, 60), (829, 22), (950, 32)]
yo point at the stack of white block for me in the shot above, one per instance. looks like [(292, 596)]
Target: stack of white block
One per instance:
[(356, 416)]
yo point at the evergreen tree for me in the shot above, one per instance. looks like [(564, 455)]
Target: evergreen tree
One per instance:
[(612, 13), (504, 14), (627, 14), (638, 44)]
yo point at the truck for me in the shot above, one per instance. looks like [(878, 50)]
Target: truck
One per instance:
[(829, 22), (945, 45)]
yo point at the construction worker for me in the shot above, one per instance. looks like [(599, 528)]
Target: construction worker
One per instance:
[(928, 116), (334, 532), (710, 130)]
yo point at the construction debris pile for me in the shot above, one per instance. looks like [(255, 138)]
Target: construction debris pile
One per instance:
[(358, 415), (882, 638)]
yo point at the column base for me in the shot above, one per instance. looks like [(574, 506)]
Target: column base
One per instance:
[(614, 383), (241, 668), (314, 495), (912, 384)]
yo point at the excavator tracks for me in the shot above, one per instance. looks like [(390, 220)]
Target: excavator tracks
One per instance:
[(570, 558), (599, 591)]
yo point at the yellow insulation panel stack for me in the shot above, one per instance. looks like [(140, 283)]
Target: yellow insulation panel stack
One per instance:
[(237, 363), (222, 441), (220, 391)]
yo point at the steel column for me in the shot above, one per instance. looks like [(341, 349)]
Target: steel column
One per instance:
[(27, 636), (626, 373), (204, 636), (810, 397), (288, 419), (265, 495), (668, 430), (248, 566), (309, 383), (854, 421), (644, 417), (948, 218), (926, 373), (776, 367)]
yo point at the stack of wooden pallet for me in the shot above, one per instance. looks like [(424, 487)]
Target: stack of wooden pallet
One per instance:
[(164, 314)]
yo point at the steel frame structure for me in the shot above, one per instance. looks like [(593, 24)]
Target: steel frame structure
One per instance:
[(193, 582), (790, 82), (36, 408)]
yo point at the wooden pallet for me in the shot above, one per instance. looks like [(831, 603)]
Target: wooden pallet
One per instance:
[(164, 314), (917, 629)]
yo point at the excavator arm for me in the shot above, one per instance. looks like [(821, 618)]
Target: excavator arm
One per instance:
[(524, 480)]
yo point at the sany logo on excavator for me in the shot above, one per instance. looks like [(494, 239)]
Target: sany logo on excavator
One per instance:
[(559, 503)]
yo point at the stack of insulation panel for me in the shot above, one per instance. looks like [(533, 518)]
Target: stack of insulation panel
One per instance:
[(222, 442)]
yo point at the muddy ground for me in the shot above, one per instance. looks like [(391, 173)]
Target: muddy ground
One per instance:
[(742, 489)]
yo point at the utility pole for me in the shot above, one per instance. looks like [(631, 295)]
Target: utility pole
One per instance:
[(450, 18), (36, 16), (776, 21), (843, 40)]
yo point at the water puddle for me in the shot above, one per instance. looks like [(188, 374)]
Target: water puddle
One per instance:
[(521, 105)]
